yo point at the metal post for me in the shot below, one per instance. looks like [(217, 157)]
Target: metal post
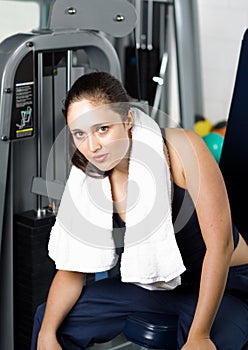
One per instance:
[(199, 104), (44, 4), (68, 69), (40, 212), (6, 268), (183, 21), (4, 151)]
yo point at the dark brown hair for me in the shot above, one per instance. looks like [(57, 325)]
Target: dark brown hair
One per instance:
[(99, 88)]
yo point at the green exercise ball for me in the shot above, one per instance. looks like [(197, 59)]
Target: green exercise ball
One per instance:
[(214, 143)]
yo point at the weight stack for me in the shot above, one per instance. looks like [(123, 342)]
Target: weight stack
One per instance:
[(33, 271)]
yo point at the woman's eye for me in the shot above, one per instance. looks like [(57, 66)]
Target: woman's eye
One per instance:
[(78, 134), (102, 129)]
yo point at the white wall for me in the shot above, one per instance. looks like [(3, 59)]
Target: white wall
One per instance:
[(18, 17), (222, 25)]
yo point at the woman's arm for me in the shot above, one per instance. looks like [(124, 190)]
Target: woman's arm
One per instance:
[(194, 168), (64, 292)]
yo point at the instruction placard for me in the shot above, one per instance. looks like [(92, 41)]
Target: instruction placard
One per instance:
[(24, 109)]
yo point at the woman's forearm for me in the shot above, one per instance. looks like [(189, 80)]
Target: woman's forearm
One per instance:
[(64, 292), (213, 280)]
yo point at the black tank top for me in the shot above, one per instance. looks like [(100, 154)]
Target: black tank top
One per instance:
[(187, 232)]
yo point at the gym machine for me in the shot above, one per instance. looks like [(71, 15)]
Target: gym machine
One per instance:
[(37, 69)]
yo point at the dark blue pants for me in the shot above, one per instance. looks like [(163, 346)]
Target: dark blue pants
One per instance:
[(99, 314)]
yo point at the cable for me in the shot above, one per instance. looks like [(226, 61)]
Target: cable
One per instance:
[(136, 51)]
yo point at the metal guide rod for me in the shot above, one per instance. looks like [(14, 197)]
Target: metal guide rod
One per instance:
[(39, 127), (53, 115), (160, 81), (68, 69), (138, 7), (162, 31), (68, 86), (53, 128), (149, 24), (163, 47)]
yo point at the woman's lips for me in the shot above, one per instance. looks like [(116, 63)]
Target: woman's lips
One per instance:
[(101, 158)]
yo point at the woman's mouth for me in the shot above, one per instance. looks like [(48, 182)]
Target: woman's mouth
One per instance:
[(100, 158)]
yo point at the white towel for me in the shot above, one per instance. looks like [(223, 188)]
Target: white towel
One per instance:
[(81, 239)]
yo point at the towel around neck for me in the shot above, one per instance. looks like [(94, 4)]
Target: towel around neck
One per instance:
[(81, 238)]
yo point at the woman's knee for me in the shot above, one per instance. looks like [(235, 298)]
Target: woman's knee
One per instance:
[(229, 330), (231, 327)]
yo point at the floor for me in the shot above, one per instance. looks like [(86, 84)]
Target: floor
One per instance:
[(119, 342)]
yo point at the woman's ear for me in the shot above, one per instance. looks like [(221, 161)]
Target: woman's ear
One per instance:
[(130, 119)]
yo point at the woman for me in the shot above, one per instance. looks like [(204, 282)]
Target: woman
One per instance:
[(209, 275)]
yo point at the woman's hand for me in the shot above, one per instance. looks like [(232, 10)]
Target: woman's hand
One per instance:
[(48, 342), (199, 344)]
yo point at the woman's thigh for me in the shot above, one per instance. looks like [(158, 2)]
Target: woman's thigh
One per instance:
[(100, 313)]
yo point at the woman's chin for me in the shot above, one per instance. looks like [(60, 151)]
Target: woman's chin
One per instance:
[(104, 168), (107, 165)]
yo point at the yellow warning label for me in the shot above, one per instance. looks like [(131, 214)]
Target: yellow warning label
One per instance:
[(24, 130)]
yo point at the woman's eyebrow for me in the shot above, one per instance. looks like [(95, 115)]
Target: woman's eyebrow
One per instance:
[(100, 124), (75, 130), (92, 126)]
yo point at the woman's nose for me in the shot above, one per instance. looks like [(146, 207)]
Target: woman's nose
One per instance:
[(93, 143)]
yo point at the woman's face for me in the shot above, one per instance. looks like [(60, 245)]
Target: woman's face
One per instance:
[(100, 134)]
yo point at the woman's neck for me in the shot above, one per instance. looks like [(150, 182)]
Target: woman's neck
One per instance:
[(119, 182)]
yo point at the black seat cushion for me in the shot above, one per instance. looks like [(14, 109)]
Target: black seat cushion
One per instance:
[(157, 331)]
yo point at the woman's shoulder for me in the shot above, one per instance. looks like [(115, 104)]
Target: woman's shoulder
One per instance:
[(184, 141), (181, 134), (184, 146), (173, 137)]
